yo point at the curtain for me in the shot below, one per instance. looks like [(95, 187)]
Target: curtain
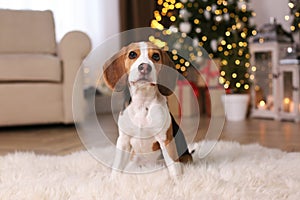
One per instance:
[(99, 19), (136, 13)]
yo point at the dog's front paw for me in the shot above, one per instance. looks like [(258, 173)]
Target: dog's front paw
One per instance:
[(114, 174), (175, 171)]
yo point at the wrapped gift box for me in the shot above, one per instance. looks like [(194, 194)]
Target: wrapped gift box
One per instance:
[(209, 79), (213, 102), (184, 101), (209, 74)]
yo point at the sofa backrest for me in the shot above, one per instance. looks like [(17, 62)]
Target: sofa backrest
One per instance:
[(27, 31)]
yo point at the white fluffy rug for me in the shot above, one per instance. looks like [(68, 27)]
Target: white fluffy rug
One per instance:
[(231, 171)]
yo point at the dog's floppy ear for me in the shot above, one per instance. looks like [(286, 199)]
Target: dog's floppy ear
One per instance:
[(114, 73), (167, 76)]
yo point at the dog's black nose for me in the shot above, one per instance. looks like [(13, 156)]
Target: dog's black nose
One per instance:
[(144, 68)]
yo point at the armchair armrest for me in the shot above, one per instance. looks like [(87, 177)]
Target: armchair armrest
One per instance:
[(73, 48)]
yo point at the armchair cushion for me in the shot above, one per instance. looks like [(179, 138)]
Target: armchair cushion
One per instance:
[(30, 67), (27, 32), (36, 74)]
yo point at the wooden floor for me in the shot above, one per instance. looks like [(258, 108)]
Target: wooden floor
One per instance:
[(61, 140)]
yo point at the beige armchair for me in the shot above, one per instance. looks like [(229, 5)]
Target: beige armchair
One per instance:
[(36, 73)]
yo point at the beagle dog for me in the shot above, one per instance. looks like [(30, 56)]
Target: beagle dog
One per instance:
[(147, 130)]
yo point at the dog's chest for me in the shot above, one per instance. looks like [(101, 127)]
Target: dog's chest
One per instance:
[(145, 121)]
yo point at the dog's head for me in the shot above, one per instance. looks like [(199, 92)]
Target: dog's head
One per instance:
[(141, 63)]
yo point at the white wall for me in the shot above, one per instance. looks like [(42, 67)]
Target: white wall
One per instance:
[(110, 23), (265, 9)]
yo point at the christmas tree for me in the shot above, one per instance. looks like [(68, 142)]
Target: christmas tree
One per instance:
[(294, 6), (221, 27)]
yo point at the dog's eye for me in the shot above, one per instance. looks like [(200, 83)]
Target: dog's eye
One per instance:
[(132, 55), (156, 57)]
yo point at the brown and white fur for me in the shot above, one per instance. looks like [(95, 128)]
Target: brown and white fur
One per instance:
[(145, 125)]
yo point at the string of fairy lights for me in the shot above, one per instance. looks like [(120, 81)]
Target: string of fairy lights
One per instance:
[(294, 6), (221, 27)]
